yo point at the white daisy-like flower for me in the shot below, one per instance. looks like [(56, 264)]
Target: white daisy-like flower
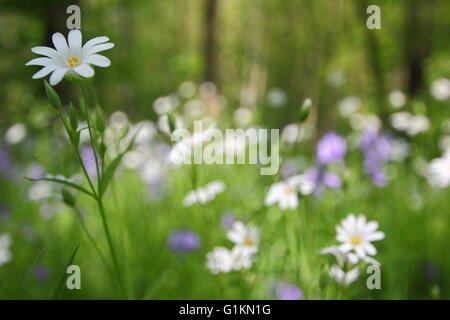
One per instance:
[(409, 123), (347, 258), (357, 234), (204, 194), (183, 150), (5, 253), (438, 171), (246, 236), (285, 192), (343, 277), (222, 259), (70, 57)]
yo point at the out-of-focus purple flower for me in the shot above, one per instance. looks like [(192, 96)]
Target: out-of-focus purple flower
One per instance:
[(183, 240), (376, 148), (87, 154), (35, 171), (320, 178), (287, 291), (331, 148), (41, 273), (289, 168), (5, 161), (227, 219)]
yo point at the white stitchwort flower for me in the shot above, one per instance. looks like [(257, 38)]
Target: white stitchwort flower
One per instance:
[(438, 171), (5, 253), (343, 277), (357, 234), (246, 236), (70, 57), (204, 194), (222, 259), (285, 192)]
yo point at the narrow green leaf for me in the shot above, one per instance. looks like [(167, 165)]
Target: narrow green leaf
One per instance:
[(52, 96), (30, 271), (111, 169), (100, 119), (73, 118), (66, 183), (58, 289)]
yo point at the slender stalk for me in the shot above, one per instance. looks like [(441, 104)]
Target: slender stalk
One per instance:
[(111, 245), (99, 173), (77, 152)]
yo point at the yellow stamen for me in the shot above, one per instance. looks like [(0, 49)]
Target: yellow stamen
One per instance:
[(288, 189), (73, 62), (355, 240), (248, 242)]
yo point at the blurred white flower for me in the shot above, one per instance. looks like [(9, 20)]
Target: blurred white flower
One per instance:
[(438, 171), (440, 89), (360, 121), (349, 105), (444, 143), (291, 133), (356, 234), (70, 57), (343, 277), (5, 253), (397, 99), (409, 123), (187, 90), (183, 149), (222, 259), (246, 236), (276, 98), (163, 105), (204, 194), (285, 192), (336, 79), (242, 117), (399, 149), (16, 133)]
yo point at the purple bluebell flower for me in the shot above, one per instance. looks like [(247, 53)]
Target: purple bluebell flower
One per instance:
[(87, 154), (376, 149), (41, 273), (289, 168), (183, 240), (331, 148), (320, 177), (287, 291), (227, 219)]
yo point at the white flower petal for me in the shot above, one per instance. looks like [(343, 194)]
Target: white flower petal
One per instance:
[(40, 62), (100, 47), (44, 71), (375, 236), (75, 39), (371, 250), (60, 42), (84, 70), (45, 51), (88, 45), (98, 60), (57, 76)]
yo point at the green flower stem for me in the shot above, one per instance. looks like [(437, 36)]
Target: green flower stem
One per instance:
[(77, 152), (99, 173), (99, 200)]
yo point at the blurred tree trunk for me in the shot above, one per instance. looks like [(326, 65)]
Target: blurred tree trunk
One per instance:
[(374, 60), (210, 49), (419, 28)]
